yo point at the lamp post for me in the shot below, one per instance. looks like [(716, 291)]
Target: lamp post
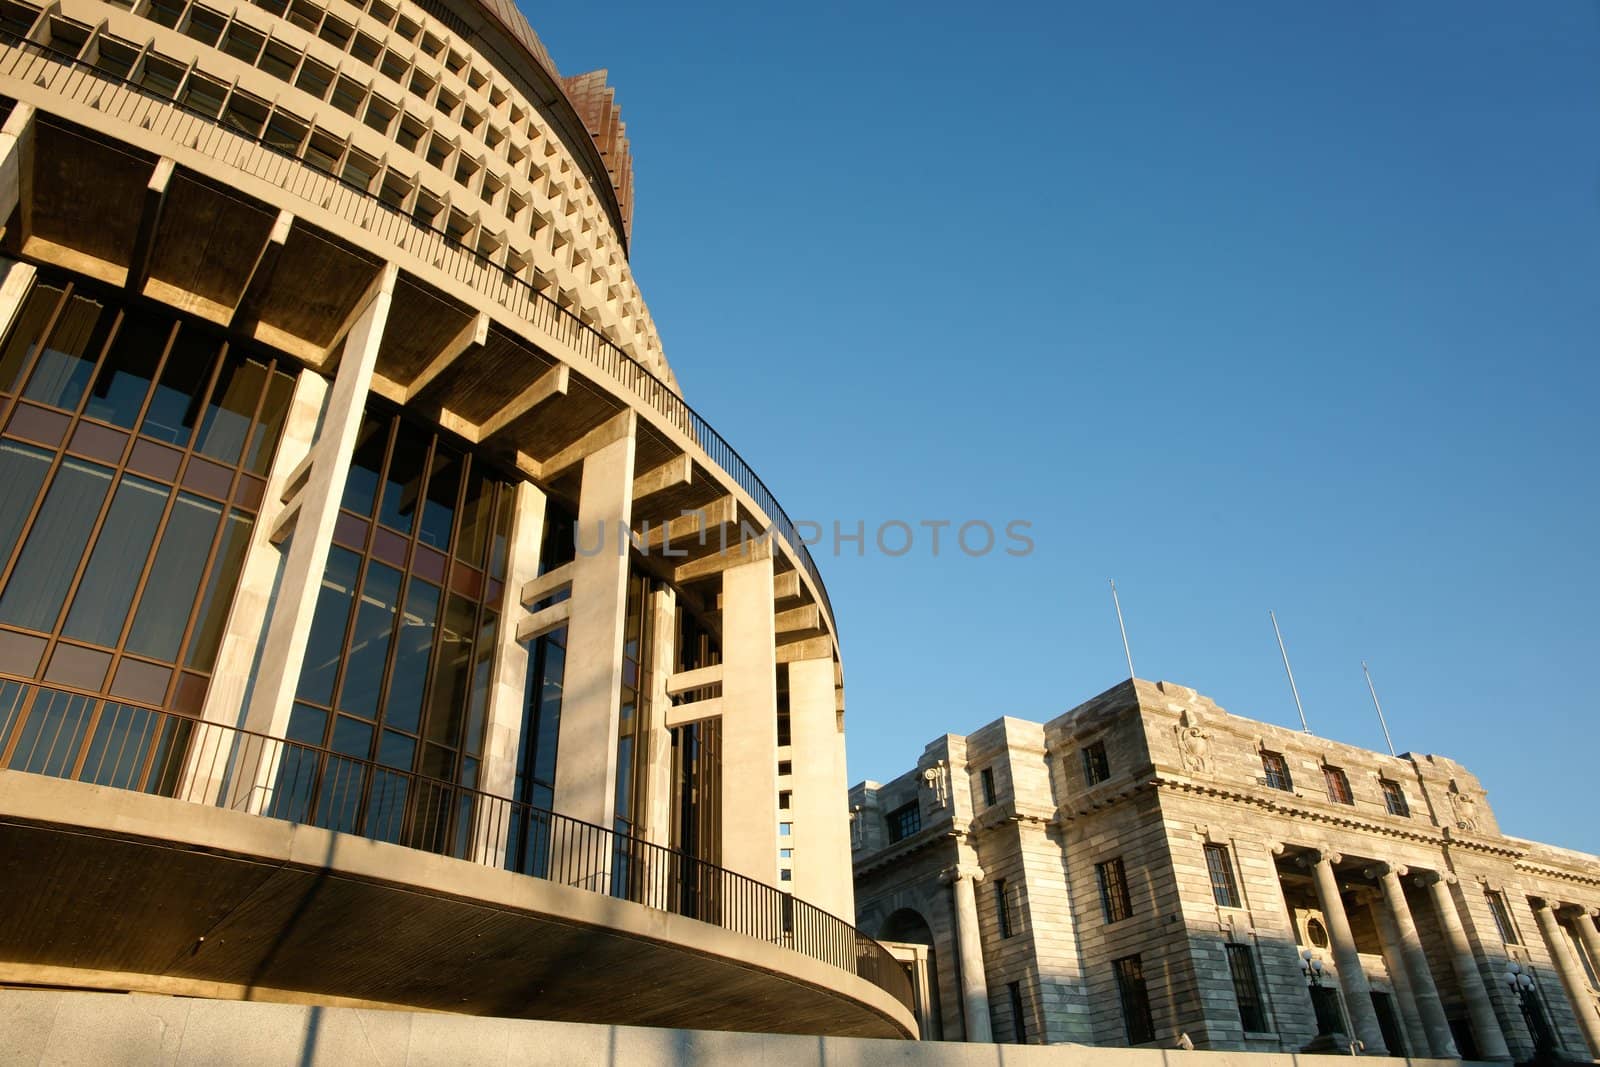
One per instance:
[(1311, 967), (1519, 980)]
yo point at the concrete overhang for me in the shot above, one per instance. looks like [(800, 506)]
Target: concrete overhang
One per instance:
[(111, 889)]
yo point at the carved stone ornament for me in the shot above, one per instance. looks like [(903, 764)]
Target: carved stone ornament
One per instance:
[(1194, 744), (1466, 809), (937, 779)]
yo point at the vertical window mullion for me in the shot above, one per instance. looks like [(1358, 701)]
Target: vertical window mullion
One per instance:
[(25, 371)]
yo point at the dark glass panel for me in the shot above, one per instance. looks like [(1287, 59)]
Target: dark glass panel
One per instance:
[(429, 564), (403, 709), (189, 697), (403, 482), (55, 546), (63, 368), (448, 704), (351, 531), (22, 472), (361, 486), (137, 680), (81, 668), (439, 509), (500, 544), (52, 733), (101, 605), (209, 478), (40, 425), (158, 461), (368, 653), (98, 442), (351, 737), (247, 494), (24, 336), (325, 645), (175, 407), (226, 424), (482, 670), (169, 595), (219, 592), (475, 515), (20, 655), (307, 725), (12, 696), (390, 547), (124, 378), (264, 434), (550, 691), (437, 762), (397, 750)]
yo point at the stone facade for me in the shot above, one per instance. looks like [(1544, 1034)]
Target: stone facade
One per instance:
[(1339, 895)]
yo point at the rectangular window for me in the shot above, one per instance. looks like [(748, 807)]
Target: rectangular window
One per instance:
[(1275, 771), (1096, 767), (1002, 908), (1502, 916), (1115, 902), (1394, 799), (1338, 785), (987, 780), (1220, 866), (904, 821), (1019, 1027), (1246, 990), (1136, 1021)]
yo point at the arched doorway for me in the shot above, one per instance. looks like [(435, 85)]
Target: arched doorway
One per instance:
[(907, 934)]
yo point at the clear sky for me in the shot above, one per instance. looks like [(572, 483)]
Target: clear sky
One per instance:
[(1248, 306)]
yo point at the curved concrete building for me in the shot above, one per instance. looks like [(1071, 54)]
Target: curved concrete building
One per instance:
[(378, 624)]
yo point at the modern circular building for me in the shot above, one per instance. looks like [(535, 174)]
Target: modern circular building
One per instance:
[(378, 624)]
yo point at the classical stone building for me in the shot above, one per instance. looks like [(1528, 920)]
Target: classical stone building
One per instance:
[(1148, 865), (378, 623)]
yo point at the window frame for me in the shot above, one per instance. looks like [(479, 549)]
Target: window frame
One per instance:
[(1133, 994), (1116, 900), (1275, 773), (1096, 763), (1224, 884), (1394, 798), (1247, 988), (1338, 784)]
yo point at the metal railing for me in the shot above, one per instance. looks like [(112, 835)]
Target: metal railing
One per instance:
[(165, 754), (74, 79)]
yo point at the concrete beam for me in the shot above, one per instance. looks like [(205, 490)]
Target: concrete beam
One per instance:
[(144, 240), (795, 620), (552, 383), (786, 586), (699, 678), (676, 535), (695, 711), (543, 622), (674, 472), (536, 589), (622, 425), (810, 648), (266, 263), (382, 284), (717, 562), (473, 336)]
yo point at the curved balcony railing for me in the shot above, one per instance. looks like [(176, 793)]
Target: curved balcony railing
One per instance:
[(165, 754), (73, 79)]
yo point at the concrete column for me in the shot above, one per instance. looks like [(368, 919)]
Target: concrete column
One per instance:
[(508, 688), (822, 869), (963, 880), (1440, 1044), (655, 738), (232, 676), (1352, 979), (586, 764), (749, 722), (1486, 1029), (1416, 1033), (288, 626), (16, 166), (1571, 971), (18, 279)]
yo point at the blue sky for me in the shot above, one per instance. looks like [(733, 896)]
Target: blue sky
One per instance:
[(1249, 306)]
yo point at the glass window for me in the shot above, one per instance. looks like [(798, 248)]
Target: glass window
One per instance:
[(475, 517), (1275, 771), (226, 424), (904, 821), (439, 510), (1115, 902), (1002, 907), (174, 582), (106, 593), (1138, 1026), (408, 684), (368, 653), (366, 465), (119, 388), (1502, 916), (38, 585), (1019, 1026), (1219, 864), (452, 676), (1096, 766), (402, 484), (25, 332), (62, 371), (219, 592), (22, 472), (175, 406), (986, 777), (263, 440), (1246, 990), (1338, 785), (325, 646), (1394, 799)]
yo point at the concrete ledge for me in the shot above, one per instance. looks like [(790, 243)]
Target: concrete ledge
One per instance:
[(52, 1027)]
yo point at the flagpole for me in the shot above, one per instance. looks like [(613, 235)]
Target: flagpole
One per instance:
[(1121, 626), (1381, 720), (1290, 672)]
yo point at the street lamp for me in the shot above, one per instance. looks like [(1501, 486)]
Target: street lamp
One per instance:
[(1311, 967), (1520, 981)]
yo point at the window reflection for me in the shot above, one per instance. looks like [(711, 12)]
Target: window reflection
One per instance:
[(129, 368), (63, 368)]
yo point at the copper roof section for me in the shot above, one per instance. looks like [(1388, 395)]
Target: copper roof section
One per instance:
[(596, 103)]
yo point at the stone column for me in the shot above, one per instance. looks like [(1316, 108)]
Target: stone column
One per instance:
[(288, 627), (749, 722), (1416, 1033), (963, 879), (1440, 1044), (654, 735), (591, 702), (822, 870), (1486, 1029), (1571, 971), (1352, 979), (508, 689), (1583, 922)]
